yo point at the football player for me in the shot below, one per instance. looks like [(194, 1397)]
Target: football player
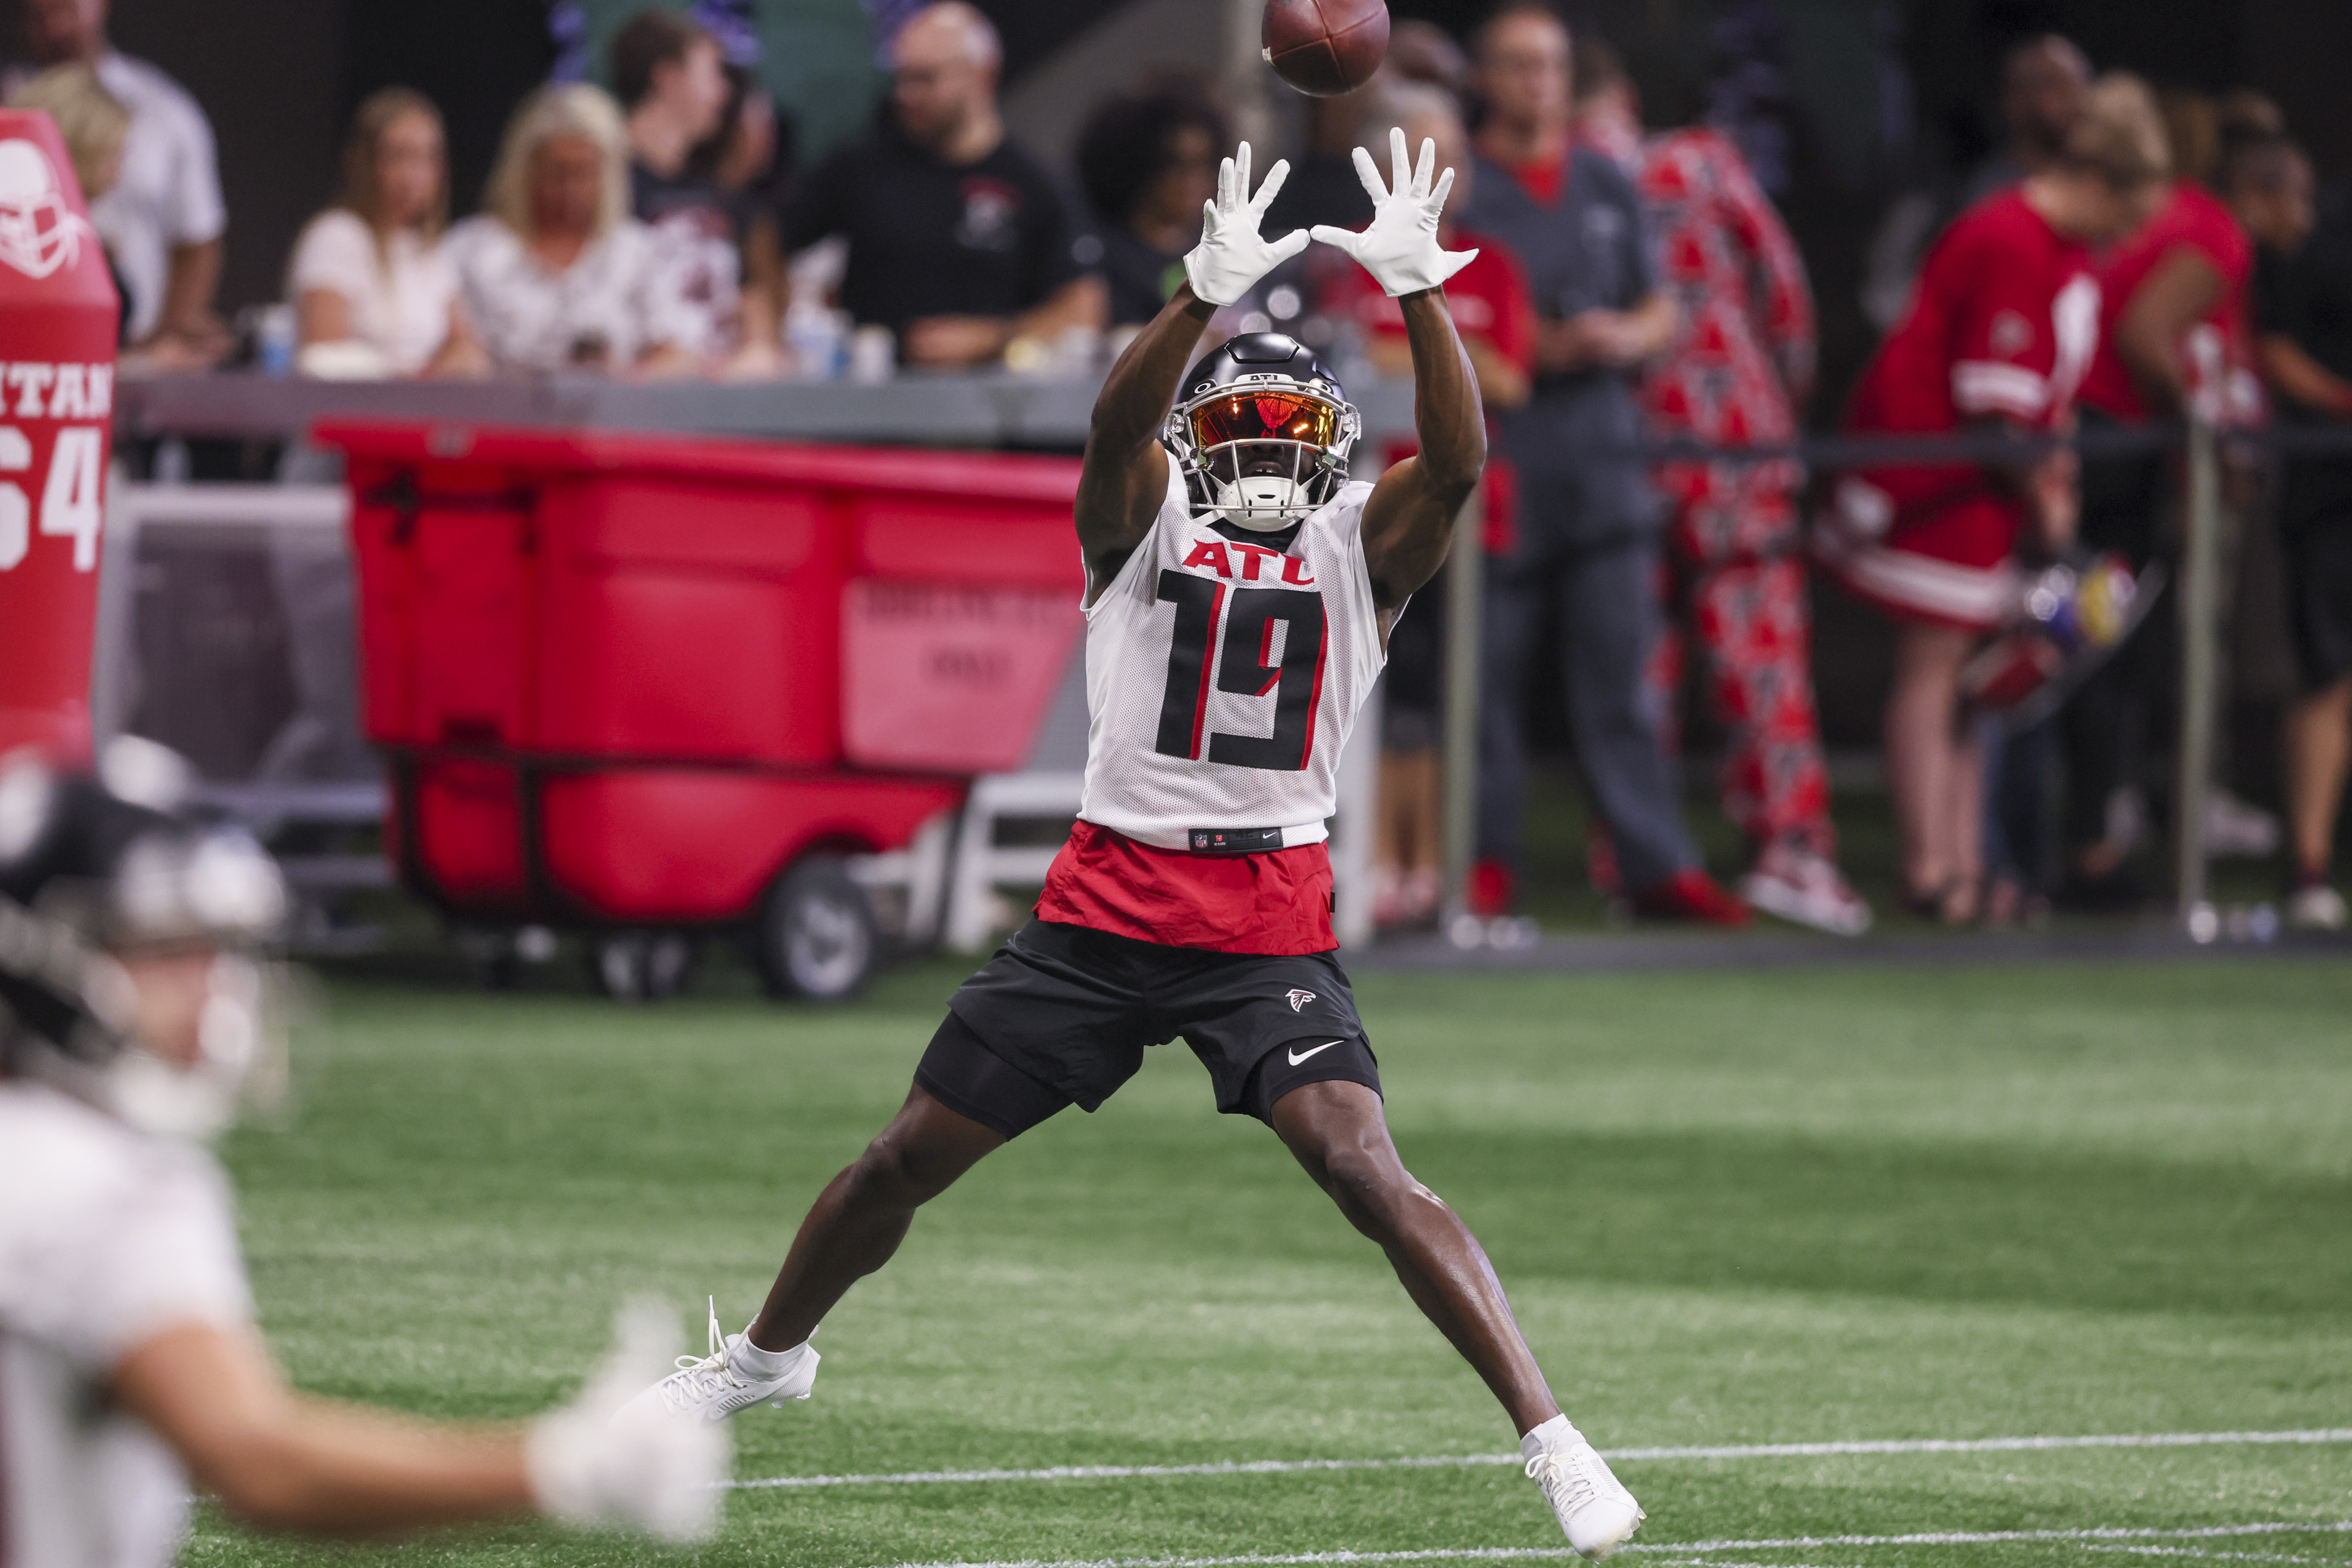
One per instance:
[(1240, 590), (131, 1024)]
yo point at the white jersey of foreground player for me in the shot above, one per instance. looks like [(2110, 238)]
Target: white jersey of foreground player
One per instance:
[(1223, 678), (107, 1238)]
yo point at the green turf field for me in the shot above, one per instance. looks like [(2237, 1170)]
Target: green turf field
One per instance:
[(1732, 1209)]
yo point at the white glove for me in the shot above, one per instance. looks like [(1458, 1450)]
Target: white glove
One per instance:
[(1230, 257), (594, 1463), (1399, 250)]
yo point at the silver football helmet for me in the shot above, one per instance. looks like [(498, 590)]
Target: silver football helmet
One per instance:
[(1262, 432)]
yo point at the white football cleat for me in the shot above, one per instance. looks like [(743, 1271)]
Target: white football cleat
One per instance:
[(1592, 1505), (714, 1386)]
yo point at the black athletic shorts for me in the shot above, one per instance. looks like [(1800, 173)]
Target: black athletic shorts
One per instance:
[(2319, 593), (1062, 1015)]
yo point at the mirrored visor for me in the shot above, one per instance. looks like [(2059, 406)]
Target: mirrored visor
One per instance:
[(1247, 416)]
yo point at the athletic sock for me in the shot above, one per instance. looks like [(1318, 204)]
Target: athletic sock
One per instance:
[(1555, 1432), (758, 1364)]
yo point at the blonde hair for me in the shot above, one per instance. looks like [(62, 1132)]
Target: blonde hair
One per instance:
[(2119, 137), (358, 194), (92, 120), (566, 108)]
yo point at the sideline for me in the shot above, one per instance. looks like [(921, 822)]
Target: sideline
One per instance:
[(1782, 947), (1445, 1461), (1785, 1544)]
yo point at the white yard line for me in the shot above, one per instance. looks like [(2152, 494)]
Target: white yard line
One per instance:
[(2195, 1551), (1702, 1549), (1443, 1461)]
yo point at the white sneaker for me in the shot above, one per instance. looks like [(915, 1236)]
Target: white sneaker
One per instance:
[(1592, 1505), (1800, 886), (2234, 829), (2317, 907), (714, 1387)]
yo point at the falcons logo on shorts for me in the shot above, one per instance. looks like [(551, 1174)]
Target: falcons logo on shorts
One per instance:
[(1298, 999)]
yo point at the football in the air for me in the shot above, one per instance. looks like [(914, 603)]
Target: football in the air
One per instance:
[(1325, 48)]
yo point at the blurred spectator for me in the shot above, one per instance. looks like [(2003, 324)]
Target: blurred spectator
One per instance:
[(2173, 330), (746, 160), (163, 218), (671, 81), (959, 241), (2303, 300), (2042, 80), (1585, 547), (2003, 330), (94, 124), (1148, 162), (557, 274), (1740, 367), (372, 287), (2267, 181), (2045, 82), (1492, 311), (1424, 52)]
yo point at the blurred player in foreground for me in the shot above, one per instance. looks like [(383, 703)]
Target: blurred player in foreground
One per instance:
[(133, 1023), (1240, 592)]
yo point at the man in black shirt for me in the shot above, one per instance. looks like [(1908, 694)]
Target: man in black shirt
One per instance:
[(958, 242), (2303, 288)]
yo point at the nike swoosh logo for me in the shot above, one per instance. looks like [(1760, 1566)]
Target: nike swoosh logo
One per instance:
[(1298, 1056)]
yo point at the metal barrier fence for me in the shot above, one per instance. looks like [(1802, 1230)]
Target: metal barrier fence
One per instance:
[(305, 524)]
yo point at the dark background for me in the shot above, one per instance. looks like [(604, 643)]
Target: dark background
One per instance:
[(280, 78)]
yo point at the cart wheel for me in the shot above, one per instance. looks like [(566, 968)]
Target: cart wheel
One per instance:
[(816, 932), (641, 965)]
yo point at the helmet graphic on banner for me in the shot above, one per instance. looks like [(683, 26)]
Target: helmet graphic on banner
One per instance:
[(38, 232)]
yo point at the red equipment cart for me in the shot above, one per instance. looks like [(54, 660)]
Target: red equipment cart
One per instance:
[(649, 687)]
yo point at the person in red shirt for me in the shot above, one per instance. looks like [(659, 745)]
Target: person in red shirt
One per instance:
[(1495, 319), (1998, 336), (1740, 366)]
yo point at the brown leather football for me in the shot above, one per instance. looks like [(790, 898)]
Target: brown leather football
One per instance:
[(1325, 46)]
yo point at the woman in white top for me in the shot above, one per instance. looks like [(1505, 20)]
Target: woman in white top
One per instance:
[(371, 285), (557, 274)]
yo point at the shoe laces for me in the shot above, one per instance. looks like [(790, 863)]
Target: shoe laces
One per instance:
[(1566, 1478), (698, 1377)]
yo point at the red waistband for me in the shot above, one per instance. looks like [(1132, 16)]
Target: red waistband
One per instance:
[(1278, 902)]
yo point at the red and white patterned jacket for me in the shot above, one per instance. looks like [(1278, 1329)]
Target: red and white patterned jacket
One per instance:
[(1742, 359)]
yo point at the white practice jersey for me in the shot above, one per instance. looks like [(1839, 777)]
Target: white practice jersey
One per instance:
[(1223, 678), (107, 1238)]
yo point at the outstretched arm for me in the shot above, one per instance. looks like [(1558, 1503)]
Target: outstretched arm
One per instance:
[(286, 1461), (1126, 470), (1408, 520)]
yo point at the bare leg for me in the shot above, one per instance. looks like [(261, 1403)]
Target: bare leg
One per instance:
[(1337, 1132), (2318, 748), (1926, 758), (860, 1218)]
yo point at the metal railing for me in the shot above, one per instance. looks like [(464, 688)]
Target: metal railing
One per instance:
[(999, 409)]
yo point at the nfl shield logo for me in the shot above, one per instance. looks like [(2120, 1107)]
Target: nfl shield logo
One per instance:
[(1298, 999)]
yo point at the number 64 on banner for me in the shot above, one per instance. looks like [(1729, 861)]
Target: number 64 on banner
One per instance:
[(69, 500)]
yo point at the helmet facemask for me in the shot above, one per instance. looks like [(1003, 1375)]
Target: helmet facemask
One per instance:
[(1263, 451)]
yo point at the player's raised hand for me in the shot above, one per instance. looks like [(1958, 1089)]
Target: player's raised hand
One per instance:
[(1399, 250), (1232, 256), (608, 1458)]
